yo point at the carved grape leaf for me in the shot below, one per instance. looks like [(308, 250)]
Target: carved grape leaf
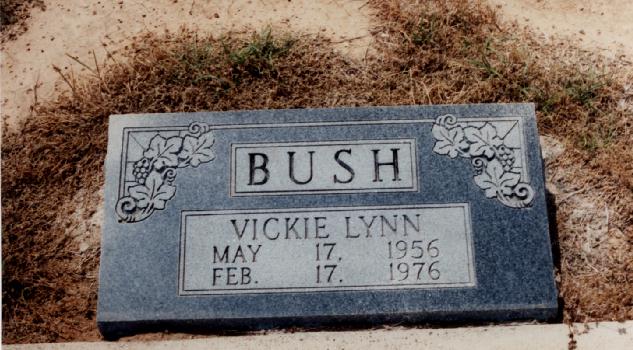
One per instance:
[(164, 152), (494, 180), (155, 192), (154, 174), (493, 159), (483, 140), (449, 141), (196, 150)]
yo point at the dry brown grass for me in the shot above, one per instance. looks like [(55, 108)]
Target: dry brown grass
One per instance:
[(438, 52)]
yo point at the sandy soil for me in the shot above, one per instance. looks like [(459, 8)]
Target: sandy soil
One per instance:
[(602, 25), (78, 28)]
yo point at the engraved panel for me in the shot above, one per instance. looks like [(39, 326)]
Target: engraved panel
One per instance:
[(326, 249), (323, 167)]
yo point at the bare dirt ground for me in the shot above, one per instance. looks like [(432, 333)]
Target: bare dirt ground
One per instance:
[(70, 32), (80, 28), (605, 26)]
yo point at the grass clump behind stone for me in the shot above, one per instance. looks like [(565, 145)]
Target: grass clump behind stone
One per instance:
[(436, 52), (449, 53)]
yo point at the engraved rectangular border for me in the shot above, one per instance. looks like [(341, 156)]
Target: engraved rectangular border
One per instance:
[(412, 142), (471, 283)]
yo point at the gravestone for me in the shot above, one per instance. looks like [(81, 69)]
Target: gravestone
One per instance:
[(323, 217)]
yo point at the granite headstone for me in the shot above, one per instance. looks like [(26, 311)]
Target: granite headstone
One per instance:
[(321, 217)]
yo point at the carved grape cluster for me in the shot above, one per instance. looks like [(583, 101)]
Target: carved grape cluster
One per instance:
[(506, 157), (141, 169)]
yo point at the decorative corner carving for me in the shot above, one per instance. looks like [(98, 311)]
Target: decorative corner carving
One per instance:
[(155, 173), (494, 162)]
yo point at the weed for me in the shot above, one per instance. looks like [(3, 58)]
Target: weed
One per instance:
[(426, 31), (584, 88), (257, 57)]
